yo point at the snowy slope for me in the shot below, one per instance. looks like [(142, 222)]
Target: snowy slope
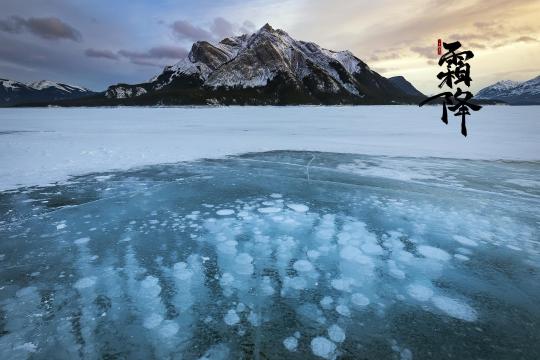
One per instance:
[(39, 146), (513, 92)]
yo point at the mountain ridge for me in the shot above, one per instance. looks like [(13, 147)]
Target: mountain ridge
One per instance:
[(15, 92), (513, 92), (267, 67)]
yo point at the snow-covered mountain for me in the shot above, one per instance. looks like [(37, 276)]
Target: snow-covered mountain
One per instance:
[(14, 92), (513, 92), (266, 67)]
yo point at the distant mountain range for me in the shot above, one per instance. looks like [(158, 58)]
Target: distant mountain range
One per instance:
[(513, 92), (267, 67), (14, 92)]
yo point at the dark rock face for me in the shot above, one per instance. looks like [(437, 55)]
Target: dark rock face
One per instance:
[(267, 67)]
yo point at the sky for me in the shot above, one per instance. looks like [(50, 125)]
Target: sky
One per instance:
[(97, 43)]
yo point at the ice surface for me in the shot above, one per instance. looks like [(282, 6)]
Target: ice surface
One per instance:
[(33, 142), (177, 261)]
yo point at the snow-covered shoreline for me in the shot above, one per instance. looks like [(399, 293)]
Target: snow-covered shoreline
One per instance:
[(44, 145)]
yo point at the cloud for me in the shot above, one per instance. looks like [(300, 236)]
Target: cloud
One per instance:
[(182, 29), (155, 53), (429, 52), (96, 53), (247, 27), (222, 28), (50, 28), (526, 39), (218, 29)]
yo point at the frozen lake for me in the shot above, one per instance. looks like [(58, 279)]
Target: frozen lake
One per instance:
[(41, 146), (262, 256)]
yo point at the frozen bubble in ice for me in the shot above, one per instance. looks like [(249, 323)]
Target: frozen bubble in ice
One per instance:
[(336, 334), (82, 240), (323, 347), (150, 286), (297, 282), (85, 282), (419, 292), (405, 354), (298, 207), (359, 299), (276, 196), (465, 241), (26, 292), (225, 212), (326, 302), (240, 307), (461, 257), (464, 251), (372, 249), (60, 226), (27, 346), (243, 264), (231, 318), (313, 254), (513, 247), (302, 266), (169, 329), (253, 318), (455, 308), (152, 321), (297, 334), (181, 271), (290, 343), (343, 310), (226, 279), (433, 253), (352, 253), (268, 210), (216, 352), (342, 284)]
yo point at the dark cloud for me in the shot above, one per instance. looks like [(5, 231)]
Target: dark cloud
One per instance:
[(221, 28), (183, 29), (155, 53), (49, 28), (106, 54)]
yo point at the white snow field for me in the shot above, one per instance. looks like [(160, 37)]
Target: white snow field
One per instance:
[(44, 145), (290, 253)]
